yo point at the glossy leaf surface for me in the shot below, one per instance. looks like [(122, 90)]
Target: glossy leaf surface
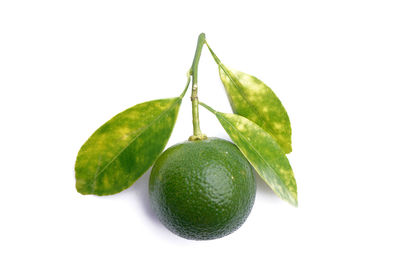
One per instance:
[(263, 152), (123, 148), (251, 98)]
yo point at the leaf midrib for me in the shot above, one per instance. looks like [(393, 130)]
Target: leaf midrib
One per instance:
[(130, 142), (267, 164)]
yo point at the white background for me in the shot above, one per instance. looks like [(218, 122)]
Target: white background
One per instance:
[(66, 67)]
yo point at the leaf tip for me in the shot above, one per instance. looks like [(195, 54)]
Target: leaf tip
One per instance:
[(81, 187), (293, 199)]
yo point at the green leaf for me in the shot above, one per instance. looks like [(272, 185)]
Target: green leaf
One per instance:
[(251, 98), (121, 150), (263, 152)]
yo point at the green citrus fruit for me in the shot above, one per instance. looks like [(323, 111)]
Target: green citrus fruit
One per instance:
[(202, 189)]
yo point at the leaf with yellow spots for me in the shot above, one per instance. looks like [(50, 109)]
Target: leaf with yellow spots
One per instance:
[(251, 98), (263, 152), (123, 148)]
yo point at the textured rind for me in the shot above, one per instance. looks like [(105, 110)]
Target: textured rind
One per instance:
[(251, 98), (202, 190), (123, 148), (264, 153)]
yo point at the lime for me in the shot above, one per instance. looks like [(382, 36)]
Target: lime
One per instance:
[(203, 189)]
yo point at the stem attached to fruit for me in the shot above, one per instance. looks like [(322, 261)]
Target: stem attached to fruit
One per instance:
[(197, 135)]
